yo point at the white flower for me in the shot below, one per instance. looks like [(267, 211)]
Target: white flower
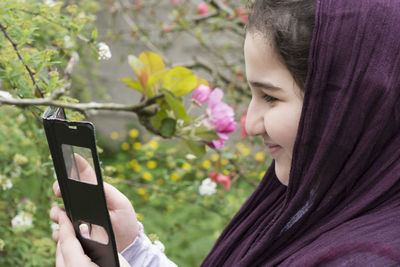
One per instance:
[(208, 187), (54, 226), (68, 42), (50, 3), (5, 94), (7, 184), (104, 51), (23, 219), (190, 156), (159, 245)]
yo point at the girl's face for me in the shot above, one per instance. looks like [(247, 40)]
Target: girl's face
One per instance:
[(276, 103)]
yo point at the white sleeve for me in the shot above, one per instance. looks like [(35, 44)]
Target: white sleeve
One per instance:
[(142, 253)]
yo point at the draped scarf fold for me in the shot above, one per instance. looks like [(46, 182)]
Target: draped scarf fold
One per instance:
[(342, 203)]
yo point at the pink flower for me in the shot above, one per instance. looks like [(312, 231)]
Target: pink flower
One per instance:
[(203, 8), (221, 114), (220, 178), (215, 98), (175, 1), (217, 144), (221, 117), (243, 123), (202, 93), (243, 15)]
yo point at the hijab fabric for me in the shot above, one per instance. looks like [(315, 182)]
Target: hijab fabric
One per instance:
[(342, 204)]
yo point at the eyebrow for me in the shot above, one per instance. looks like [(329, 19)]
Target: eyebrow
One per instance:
[(265, 85)]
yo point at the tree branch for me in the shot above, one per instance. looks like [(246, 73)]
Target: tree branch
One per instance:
[(139, 109), (37, 92)]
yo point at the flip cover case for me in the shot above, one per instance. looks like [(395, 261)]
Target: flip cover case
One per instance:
[(83, 202)]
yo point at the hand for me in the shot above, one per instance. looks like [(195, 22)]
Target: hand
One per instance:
[(69, 249), (122, 214)]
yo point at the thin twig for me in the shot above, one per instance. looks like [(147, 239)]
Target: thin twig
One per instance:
[(3, 29), (82, 107)]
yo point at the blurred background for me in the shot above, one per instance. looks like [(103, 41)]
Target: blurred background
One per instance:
[(77, 52)]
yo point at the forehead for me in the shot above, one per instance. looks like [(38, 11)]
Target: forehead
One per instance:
[(261, 59)]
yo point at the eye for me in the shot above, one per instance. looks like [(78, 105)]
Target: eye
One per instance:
[(269, 98)]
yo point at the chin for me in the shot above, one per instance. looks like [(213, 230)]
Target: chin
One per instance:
[(282, 174)]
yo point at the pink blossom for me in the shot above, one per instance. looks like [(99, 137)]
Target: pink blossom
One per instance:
[(175, 1), (201, 93), (217, 144), (220, 178), (203, 8), (215, 98), (243, 15), (221, 117)]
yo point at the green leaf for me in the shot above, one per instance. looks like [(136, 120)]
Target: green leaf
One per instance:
[(180, 81), (152, 61), (206, 134), (176, 105), (94, 34), (139, 68), (154, 83), (132, 83), (197, 148), (168, 127)]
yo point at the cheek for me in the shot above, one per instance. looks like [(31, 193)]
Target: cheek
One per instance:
[(281, 126)]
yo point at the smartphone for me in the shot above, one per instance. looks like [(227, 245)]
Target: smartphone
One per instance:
[(73, 149)]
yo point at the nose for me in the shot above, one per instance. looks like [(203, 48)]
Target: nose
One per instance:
[(254, 120)]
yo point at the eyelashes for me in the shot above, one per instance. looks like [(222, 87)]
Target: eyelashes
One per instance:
[(269, 98)]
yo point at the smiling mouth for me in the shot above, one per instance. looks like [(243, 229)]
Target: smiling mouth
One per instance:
[(273, 149)]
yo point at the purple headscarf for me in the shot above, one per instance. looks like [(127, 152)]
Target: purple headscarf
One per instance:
[(342, 204)]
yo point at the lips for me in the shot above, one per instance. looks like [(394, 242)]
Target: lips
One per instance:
[(273, 149)]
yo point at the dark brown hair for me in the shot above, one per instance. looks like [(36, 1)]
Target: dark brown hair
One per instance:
[(288, 25)]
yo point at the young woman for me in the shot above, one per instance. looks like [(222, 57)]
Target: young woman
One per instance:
[(325, 82)]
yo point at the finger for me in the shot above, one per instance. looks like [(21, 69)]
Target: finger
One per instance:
[(86, 172), (84, 229), (56, 235), (71, 250), (115, 199), (56, 189), (54, 213)]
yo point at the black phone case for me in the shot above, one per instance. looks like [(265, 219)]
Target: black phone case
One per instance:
[(83, 202)]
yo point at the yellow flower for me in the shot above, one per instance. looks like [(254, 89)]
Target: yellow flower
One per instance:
[(215, 157), (135, 165), (114, 135), (259, 156), (151, 164), (261, 175), (206, 164), (137, 145), (133, 133), (147, 176), (174, 177), (160, 181), (139, 216), (142, 191), (153, 144), (125, 146), (224, 162), (226, 172), (186, 166), (149, 154)]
